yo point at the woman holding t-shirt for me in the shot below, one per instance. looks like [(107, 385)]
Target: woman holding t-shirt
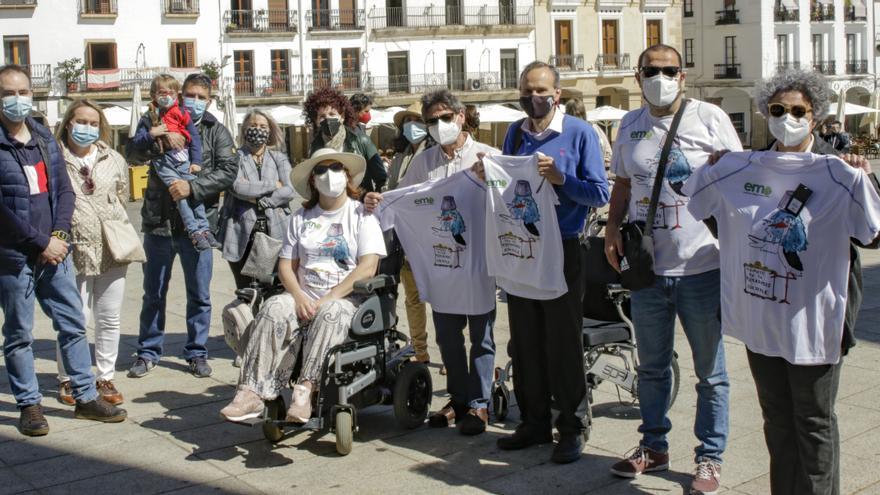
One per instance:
[(785, 219), (331, 243)]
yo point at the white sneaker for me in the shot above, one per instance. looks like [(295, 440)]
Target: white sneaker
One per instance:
[(245, 405), (300, 410)]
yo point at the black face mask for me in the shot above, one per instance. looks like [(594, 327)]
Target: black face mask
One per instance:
[(329, 127), (536, 106)]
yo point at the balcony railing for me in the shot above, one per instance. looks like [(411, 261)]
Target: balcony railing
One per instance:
[(568, 63), (439, 16), (41, 75), (98, 7), (824, 67), (849, 15), (421, 83), (856, 66), (727, 16), (260, 21), (822, 12), (727, 71), (612, 61), (784, 66), (181, 7), (688, 13), (18, 3), (336, 20), (785, 14), (124, 79)]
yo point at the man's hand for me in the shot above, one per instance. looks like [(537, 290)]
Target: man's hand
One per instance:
[(195, 168), (179, 189), (857, 161), (613, 246), (716, 156), (279, 184), (55, 252), (158, 131), (477, 167), (547, 169), (175, 140), (371, 201)]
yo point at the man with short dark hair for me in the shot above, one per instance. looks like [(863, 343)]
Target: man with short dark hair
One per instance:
[(165, 236), (546, 335), (838, 139), (36, 208)]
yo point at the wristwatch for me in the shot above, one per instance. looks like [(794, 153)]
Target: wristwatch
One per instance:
[(61, 235)]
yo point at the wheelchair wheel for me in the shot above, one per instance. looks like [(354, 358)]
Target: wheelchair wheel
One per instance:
[(276, 410), (676, 379), (344, 432), (500, 403), (412, 395)]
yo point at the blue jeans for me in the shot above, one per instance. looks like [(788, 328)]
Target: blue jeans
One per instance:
[(197, 269), (469, 386), (696, 300), (192, 212), (54, 287)]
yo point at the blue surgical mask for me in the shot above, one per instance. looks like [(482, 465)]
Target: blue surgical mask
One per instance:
[(414, 132), (165, 101), (17, 107), (196, 107), (84, 134)]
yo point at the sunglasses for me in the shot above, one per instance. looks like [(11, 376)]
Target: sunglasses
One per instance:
[(445, 118), (322, 169), (796, 111), (668, 71), (88, 186)]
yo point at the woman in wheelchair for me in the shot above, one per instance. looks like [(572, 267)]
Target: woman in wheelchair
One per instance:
[(331, 243)]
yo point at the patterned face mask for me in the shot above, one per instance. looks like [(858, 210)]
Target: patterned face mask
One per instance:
[(256, 136)]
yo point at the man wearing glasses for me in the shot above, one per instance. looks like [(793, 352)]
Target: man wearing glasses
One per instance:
[(36, 208), (686, 264)]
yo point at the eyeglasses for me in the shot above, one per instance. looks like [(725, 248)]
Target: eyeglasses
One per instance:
[(668, 71), (322, 169), (88, 186), (447, 117), (796, 111)]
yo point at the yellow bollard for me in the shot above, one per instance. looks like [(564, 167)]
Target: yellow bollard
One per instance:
[(137, 180)]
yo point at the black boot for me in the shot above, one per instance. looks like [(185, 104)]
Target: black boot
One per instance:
[(569, 448), (99, 410), (524, 437)]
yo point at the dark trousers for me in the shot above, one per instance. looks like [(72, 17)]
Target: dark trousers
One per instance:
[(800, 425), (469, 375), (548, 352)]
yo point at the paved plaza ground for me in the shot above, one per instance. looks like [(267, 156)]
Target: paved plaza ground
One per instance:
[(175, 440)]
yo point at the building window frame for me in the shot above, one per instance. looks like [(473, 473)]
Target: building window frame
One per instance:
[(689, 52), (172, 53)]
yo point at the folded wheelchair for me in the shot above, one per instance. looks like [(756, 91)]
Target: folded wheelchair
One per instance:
[(371, 367)]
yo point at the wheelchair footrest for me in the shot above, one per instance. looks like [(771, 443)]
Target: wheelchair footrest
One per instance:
[(312, 424)]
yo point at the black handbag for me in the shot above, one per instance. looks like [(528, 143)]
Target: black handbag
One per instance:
[(637, 263)]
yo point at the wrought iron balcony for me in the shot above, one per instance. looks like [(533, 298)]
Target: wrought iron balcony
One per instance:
[(434, 16), (824, 67), (98, 8), (727, 16), (849, 15), (421, 83), (821, 12), (856, 66), (568, 63), (260, 21), (182, 7), (18, 3), (785, 14), (727, 71), (124, 79), (41, 75), (784, 66), (336, 20), (606, 62)]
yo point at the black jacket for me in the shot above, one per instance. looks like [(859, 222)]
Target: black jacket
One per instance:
[(219, 168)]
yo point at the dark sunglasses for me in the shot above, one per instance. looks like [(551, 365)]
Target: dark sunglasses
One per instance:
[(668, 71), (796, 111), (88, 186), (445, 118), (322, 169)]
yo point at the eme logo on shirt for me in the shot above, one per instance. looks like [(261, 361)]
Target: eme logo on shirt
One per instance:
[(757, 189), (38, 180), (426, 201), (641, 135), (496, 183)]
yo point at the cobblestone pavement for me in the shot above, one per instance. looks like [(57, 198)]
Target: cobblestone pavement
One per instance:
[(175, 440)]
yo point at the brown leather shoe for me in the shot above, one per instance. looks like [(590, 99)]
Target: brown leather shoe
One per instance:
[(108, 392), (65, 394), (442, 418), (474, 422)]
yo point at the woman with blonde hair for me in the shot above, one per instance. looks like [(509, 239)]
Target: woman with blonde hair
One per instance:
[(99, 176), (259, 200)]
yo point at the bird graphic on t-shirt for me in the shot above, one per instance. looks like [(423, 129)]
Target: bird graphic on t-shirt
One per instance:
[(451, 220), (335, 246), (523, 207), (784, 232), (678, 170)]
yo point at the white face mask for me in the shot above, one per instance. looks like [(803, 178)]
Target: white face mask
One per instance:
[(660, 91), (445, 133), (331, 183), (789, 130)]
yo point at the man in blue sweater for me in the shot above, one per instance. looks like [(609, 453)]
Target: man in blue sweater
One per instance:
[(36, 207), (546, 339)]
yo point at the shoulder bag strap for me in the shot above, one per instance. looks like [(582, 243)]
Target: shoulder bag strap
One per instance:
[(661, 169)]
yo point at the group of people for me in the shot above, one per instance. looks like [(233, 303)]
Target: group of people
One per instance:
[(733, 248)]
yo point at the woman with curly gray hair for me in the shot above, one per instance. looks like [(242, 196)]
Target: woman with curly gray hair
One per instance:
[(785, 219)]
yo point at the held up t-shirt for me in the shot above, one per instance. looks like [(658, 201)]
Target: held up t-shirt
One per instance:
[(441, 225), (682, 245), (523, 242), (329, 243), (785, 257)]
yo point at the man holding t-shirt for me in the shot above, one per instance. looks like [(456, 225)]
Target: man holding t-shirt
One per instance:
[(686, 264), (546, 339)]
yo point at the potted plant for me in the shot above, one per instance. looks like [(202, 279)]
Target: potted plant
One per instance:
[(211, 69), (71, 72)]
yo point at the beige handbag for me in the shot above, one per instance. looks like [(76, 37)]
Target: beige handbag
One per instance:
[(123, 241)]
